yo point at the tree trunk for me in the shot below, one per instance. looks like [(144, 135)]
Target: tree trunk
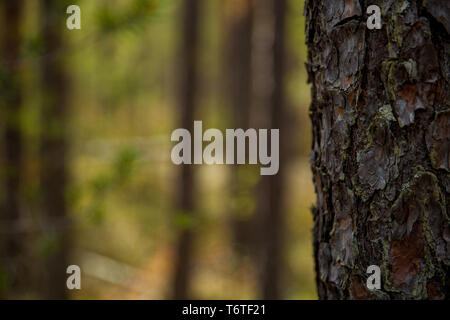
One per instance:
[(237, 92), (12, 248), (273, 227), (186, 203), (380, 153), (54, 149)]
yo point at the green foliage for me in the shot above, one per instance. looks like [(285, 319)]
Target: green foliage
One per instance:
[(124, 165), (132, 17), (33, 46), (47, 245), (110, 180), (185, 220), (5, 281), (244, 203)]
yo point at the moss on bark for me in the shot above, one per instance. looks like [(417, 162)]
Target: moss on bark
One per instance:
[(380, 153)]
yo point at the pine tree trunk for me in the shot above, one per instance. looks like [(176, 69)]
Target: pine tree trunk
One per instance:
[(380, 158), (273, 219), (237, 93), (12, 246), (186, 201), (54, 149)]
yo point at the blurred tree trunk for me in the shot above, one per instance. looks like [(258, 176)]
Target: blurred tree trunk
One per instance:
[(186, 201), (380, 158), (237, 92), (54, 148), (273, 227), (12, 246)]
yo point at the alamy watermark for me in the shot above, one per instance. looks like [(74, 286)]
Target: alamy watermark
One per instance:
[(374, 20), (74, 20), (374, 280), (74, 280), (235, 140)]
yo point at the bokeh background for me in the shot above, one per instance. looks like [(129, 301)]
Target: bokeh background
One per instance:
[(126, 93)]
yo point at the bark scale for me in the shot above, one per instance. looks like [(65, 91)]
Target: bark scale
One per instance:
[(380, 153)]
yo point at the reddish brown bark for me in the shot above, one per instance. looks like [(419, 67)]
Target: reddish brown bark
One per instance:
[(380, 158)]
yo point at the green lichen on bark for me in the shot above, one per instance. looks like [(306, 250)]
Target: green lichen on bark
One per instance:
[(380, 154)]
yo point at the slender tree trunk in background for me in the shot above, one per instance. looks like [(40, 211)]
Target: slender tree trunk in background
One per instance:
[(186, 202), (273, 220), (380, 159), (54, 149), (237, 92), (11, 94)]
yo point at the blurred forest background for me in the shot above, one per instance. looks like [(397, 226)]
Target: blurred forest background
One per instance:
[(86, 177)]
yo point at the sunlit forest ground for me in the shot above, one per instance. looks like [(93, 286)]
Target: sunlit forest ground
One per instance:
[(123, 110)]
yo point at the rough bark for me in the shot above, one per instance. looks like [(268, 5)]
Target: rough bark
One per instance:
[(54, 149), (186, 203), (12, 248), (380, 158)]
